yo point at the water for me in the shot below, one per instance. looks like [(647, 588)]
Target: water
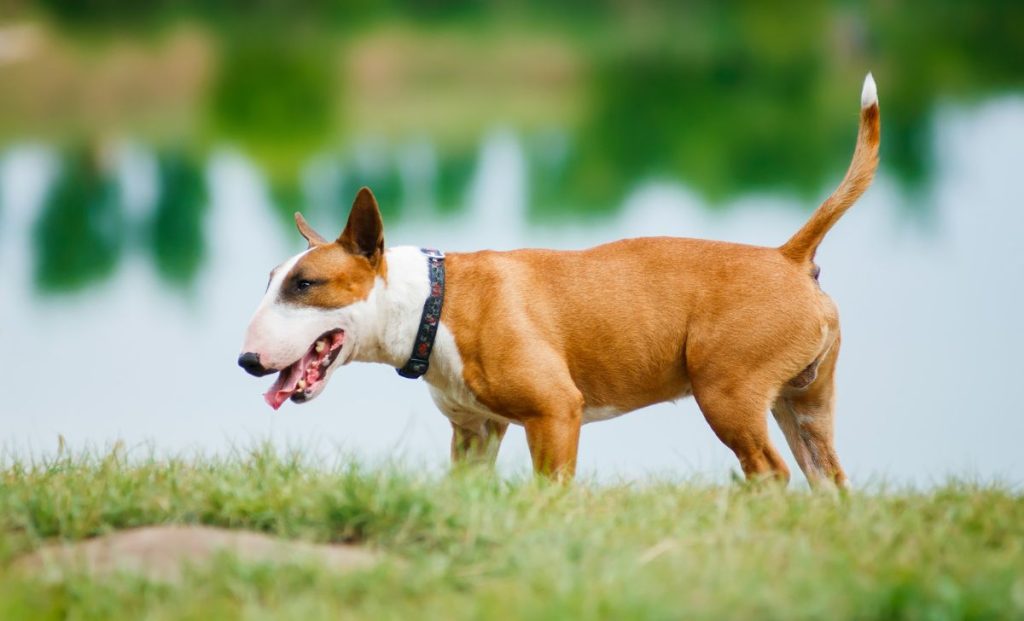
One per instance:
[(930, 308)]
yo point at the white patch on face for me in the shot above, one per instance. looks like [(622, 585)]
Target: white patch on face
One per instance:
[(380, 328), (280, 332)]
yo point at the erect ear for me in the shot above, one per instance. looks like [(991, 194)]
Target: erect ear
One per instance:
[(307, 231), (364, 233)]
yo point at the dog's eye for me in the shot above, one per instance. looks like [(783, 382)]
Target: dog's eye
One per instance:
[(303, 285)]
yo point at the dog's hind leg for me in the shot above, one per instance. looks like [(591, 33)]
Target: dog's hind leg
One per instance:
[(477, 444), (739, 417), (805, 415)]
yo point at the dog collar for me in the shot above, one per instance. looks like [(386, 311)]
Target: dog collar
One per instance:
[(419, 361)]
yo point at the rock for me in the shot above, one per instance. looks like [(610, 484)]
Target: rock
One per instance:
[(161, 553)]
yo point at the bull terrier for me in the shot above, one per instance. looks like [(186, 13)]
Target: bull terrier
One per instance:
[(551, 340)]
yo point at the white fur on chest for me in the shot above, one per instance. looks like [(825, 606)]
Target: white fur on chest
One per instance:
[(448, 388)]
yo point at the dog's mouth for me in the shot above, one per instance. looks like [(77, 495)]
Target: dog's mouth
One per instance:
[(304, 378)]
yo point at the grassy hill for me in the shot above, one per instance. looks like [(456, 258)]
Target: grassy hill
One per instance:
[(477, 546)]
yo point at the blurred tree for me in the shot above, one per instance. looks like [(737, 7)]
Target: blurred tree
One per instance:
[(374, 167), (78, 236), (731, 97), (275, 97), (956, 50), (454, 171), (176, 229), (112, 14), (729, 110)]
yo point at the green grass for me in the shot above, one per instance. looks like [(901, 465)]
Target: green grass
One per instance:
[(480, 546)]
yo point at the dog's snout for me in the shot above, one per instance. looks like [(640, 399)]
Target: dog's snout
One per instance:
[(250, 361)]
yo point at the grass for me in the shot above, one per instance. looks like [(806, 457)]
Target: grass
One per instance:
[(474, 545)]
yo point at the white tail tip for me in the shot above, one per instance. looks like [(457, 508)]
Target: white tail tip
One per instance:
[(869, 95)]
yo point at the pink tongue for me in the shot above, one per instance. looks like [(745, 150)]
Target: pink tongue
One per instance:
[(284, 386), (287, 381)]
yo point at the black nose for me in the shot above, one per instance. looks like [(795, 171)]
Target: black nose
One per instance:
[(250, 361)]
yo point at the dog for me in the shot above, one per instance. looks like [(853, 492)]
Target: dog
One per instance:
[(551, 340)]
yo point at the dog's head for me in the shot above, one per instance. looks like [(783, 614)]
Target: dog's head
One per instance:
[(316, 305)]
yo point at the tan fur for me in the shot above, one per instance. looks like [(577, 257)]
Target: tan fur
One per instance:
[(802, 246), (543, 334), (343, 272), (338, 278), (633, 323), (307, 232)]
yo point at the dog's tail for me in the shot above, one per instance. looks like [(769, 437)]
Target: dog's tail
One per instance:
[(802, 246)]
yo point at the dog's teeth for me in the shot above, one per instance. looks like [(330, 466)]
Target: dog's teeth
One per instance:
[(301, 385), (320, 346)]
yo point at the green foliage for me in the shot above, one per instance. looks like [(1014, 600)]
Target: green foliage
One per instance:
[(473, 545), (376, 170), (730, 98), (176, 230), (110, 13), (274, 96), (726, 122), (454, 172), (78, 236)]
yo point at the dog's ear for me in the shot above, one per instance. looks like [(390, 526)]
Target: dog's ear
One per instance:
[(307, 231), (364, 233)]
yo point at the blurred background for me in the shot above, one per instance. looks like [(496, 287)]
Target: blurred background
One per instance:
[(151, 154)]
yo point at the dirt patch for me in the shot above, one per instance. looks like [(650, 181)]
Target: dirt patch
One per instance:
[(161, 553)]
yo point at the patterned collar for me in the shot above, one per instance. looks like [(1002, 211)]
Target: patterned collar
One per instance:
[(419, 361)]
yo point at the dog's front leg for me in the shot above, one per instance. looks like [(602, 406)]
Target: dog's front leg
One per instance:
[(553, 436), (540, 395), (553, 445), (477, 444)]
